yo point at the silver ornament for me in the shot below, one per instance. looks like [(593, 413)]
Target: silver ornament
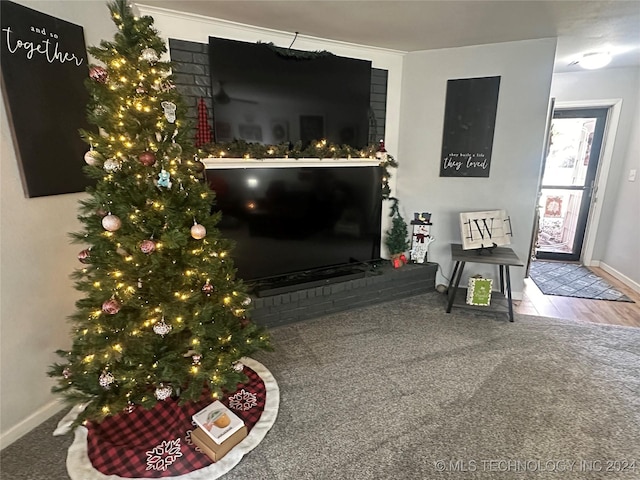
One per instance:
[(238, 367), (111, 165), (163, 392), (93, 158), (149, 55), (162, 328), (169, 111)]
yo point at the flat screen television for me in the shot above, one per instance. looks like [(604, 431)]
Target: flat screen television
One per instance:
[(292, 220), (263, 96)]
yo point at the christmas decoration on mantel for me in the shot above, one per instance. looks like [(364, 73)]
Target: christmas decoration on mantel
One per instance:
[(158, 285), (203, 131), (316, 149)]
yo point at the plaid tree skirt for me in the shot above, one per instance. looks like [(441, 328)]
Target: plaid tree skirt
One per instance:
[(156, 443)]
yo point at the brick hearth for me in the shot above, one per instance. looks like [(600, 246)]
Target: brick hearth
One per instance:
[(383, 285)]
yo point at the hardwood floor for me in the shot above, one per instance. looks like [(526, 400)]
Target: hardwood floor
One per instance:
[(597, 311)]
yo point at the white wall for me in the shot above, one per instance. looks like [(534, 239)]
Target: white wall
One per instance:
[(525, 69), (36, 259), (616, 245)]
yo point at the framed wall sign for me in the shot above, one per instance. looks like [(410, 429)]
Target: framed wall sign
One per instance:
[(486, 229), (44, 65), (469, 124)]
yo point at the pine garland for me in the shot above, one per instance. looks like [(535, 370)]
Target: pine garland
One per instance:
[(316, 149)]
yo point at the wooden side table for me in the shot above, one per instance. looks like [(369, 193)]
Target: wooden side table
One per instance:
[(504, 257)]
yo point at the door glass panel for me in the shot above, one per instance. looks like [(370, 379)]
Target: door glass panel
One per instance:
[(559, 211), (569, 151)]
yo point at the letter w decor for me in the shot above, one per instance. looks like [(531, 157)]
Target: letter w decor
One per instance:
[(487, 229), (469, 124)]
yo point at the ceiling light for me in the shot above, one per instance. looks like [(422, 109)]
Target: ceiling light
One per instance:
[(594, 60)]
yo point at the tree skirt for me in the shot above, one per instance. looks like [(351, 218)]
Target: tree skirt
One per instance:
[(156, 443)]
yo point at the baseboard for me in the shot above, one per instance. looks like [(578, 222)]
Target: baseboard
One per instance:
[(619, 276), (29, 423)]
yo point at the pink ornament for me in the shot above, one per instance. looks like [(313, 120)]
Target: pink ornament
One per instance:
[(147, 158), (66, 373), (198, 231), (111, 223), (196, 359), (99, 74), (147, 246), (85, 256), (111, 306), (208, 289)]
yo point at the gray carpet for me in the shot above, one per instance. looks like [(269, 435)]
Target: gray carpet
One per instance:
[(389, 391), (572, 280)]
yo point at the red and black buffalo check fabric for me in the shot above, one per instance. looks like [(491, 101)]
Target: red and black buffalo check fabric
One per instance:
[(157, 443), (203, 131)]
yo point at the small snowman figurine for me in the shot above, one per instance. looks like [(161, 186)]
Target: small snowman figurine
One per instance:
[(164, 179)]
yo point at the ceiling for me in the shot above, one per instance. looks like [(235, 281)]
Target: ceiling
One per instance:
[(413, 25)]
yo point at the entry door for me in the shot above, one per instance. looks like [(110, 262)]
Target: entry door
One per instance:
[(568, 182)]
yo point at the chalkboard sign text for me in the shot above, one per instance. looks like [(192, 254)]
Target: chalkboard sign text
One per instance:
[(44, 66), (469, 123)]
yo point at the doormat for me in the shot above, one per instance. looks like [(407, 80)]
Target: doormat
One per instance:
[(573, 280), (157, 443)]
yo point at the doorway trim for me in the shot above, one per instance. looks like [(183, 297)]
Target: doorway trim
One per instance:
[(611, 127)]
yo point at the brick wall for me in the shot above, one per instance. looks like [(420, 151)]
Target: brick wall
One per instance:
[(192, 80), (387, 284)]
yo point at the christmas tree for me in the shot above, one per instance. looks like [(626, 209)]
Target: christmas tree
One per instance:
[(396, 238), (162, 314)]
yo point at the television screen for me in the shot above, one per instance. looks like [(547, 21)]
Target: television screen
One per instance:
[(296, 219), (261, 95)]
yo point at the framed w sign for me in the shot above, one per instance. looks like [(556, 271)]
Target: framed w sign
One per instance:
[(491, 228)]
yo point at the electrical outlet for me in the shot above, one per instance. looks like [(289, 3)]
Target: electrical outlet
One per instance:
[(632, 175)]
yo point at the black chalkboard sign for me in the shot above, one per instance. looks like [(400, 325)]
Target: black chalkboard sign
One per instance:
[(44, 64), (469, 124)]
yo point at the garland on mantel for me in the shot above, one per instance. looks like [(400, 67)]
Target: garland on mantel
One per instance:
[(317, 149)]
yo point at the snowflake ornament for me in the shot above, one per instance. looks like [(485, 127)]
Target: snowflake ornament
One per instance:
[(106, 379), (243, 400), (162, 456), (163, 392)]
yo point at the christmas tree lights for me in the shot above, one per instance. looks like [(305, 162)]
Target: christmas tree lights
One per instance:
[(162, 314)]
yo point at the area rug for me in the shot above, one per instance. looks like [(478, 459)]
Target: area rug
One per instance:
[(572, 280), (157, 443)]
